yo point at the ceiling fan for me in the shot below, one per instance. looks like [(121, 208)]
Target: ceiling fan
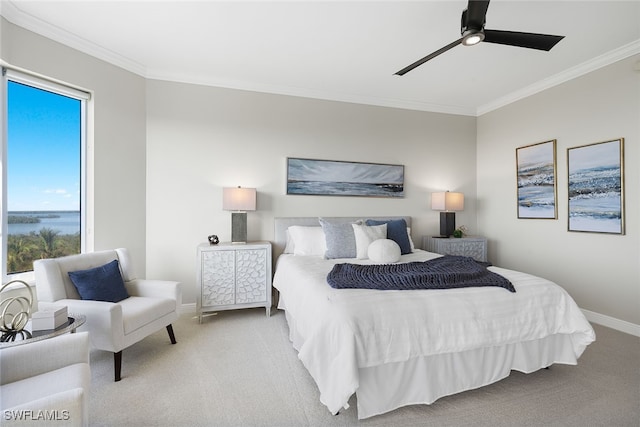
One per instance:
[(473, 32)]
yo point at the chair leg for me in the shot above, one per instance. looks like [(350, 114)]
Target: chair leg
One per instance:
[(117, 364), (171, 336)]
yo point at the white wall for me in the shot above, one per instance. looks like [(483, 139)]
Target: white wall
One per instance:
[(4, 35), (201, 139), (117, 151), (601, 271)]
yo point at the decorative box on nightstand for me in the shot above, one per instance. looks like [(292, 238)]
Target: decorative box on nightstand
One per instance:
[(475, 247), (233, 276)]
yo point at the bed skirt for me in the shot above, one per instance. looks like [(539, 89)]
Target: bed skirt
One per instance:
[(423, 380)]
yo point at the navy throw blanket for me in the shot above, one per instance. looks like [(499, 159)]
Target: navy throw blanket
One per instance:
[(447, 272)]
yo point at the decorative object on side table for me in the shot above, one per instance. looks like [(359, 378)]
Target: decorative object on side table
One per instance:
[(232, 276), (213, 239), (239, 200), (460, 232), (14, 323), (51, 318), (447, 202)]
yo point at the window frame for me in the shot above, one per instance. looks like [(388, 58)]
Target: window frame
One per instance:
[(59, 88)]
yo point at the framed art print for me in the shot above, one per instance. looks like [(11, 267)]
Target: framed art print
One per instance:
[(341, 178), (536, 180), (596, 187)]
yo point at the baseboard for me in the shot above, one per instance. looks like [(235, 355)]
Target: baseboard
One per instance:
[(612, 322), (187, 308)]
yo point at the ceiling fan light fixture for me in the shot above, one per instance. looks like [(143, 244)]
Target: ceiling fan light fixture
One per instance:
[(473, 32), (470, 38)]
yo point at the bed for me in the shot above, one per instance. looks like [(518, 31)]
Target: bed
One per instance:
[(394, 348)]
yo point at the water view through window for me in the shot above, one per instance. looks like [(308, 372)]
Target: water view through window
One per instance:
[(43, 176)]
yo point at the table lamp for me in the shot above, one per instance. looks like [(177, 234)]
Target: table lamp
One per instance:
[(239, 200), (447, 202)]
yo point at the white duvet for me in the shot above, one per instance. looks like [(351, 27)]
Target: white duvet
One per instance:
[(339, 331)]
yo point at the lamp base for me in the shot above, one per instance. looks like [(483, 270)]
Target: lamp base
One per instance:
[(447, 223), (238, 227)]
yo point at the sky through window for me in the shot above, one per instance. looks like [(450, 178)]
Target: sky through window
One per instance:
[(43, 171)]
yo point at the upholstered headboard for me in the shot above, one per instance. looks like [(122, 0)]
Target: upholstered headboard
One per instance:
[(282, 223)]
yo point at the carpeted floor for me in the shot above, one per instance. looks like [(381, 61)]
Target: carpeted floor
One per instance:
[(238, 368)]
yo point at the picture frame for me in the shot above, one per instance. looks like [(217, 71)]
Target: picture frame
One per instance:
[(536, 181), (596, 187), (344, 178)]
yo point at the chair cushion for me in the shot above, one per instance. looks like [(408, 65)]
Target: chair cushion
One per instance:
[(140, 311), (103, 283)]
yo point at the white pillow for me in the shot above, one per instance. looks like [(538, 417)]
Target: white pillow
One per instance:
[(365, 234), (289, 247), (307, 240), (384, 251)]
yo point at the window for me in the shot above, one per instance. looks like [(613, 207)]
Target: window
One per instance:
[(43, 172)]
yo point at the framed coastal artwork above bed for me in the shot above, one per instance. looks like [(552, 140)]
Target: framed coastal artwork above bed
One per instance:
[(536, 180), (343, 178), (596, 187)]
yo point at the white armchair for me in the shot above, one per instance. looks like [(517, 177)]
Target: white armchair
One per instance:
[(151, 305), (48, 378)]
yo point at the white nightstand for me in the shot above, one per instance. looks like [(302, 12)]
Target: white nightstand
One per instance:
[(475, 247), (233, 276)]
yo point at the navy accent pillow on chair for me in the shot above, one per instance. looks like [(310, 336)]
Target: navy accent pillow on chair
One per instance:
[(396, 231), (102, 283)]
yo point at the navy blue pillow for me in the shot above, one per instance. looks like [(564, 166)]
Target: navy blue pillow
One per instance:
[(396, 231), (102, 283)]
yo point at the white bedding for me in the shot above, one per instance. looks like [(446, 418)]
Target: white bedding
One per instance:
[(340, 333)]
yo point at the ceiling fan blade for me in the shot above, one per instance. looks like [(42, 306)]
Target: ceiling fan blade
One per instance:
[(476, 14), (428, 57), (528, 40)]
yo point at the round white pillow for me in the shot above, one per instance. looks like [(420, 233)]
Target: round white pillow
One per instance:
[(384, 251)]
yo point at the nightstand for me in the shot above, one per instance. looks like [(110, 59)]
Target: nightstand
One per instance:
[(475, 247), (233, 276)]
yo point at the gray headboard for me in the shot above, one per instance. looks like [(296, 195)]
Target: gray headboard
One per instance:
[(282, 223)]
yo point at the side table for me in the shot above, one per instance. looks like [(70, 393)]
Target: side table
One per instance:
[(10, 339), (233, 276), (475, 247)]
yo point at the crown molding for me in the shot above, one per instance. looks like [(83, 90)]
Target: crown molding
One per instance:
[(596, 63), (12, 13)]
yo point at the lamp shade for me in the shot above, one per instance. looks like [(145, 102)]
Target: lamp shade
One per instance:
[(238, 199), (447, 201)]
